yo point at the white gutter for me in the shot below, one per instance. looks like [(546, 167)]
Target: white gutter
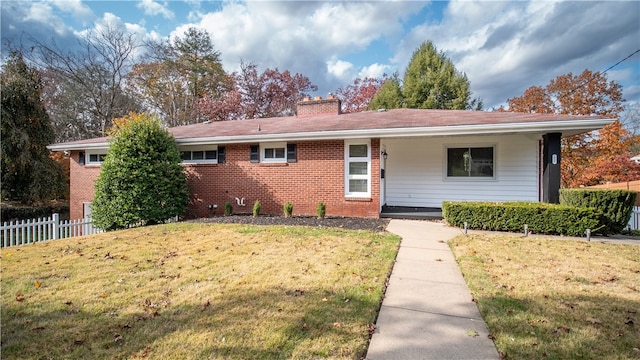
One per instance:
[(89, 146), (581, 125)]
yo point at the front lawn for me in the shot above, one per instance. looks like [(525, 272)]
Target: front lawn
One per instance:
[(552, 298), (194, 291)]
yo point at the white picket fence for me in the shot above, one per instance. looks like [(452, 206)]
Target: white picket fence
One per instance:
[(634, 221), (43, 229)]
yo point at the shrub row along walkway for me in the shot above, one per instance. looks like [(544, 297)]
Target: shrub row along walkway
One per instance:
[(428, 312)]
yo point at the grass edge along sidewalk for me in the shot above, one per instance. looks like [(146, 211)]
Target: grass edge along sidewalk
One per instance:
[(190, 290), (549, 297)]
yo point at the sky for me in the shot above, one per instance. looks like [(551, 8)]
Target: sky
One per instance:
[(503, 47)]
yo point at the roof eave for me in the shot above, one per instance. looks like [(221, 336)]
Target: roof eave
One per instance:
[(567, 127), (81, 146)]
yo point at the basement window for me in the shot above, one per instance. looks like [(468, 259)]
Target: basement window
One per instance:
[(470, 162)]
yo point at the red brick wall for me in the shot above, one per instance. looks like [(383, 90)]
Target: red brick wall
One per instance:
[(81, 185), (317, 176)]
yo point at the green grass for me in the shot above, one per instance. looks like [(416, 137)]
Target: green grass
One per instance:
[(193, 291), (552, 298)]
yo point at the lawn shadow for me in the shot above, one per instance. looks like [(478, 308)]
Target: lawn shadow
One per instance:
[(279, 323), (569, 326)]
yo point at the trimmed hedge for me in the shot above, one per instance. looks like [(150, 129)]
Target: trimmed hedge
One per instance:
[(616, 205), (512, 216)]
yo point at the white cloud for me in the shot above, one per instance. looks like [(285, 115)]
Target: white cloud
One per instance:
[(153, 8), (43, 13), (341, 69), (375, 71), (79, 10)]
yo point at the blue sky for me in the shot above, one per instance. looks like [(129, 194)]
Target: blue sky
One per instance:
[(503, 47)]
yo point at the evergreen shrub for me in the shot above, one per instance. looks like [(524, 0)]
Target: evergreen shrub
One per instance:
[(512, 216), (616, 205)]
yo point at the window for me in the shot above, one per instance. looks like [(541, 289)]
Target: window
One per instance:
[(273, 152), (357, 168), (210, 155), (470, 162), (95, 158)]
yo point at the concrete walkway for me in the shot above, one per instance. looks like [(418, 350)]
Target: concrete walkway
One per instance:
[(427, 312)]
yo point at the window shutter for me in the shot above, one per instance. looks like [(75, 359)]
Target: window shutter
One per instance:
[(222, 155), (254, 154), (291, 153), (81, 160)]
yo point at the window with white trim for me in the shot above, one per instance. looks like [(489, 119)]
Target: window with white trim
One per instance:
[(201, 155), (470, 162), (273, 152), (357, 168), (95, 157)]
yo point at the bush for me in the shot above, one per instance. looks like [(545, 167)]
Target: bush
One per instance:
[(228, 209), (256, 208), (512, 216), (321, 210), (616, 205), (288, 209), (141, 180)]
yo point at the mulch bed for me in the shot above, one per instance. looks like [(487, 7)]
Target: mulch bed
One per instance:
[(347, 223)]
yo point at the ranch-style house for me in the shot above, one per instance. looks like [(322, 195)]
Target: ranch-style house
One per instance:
[(358, 164)]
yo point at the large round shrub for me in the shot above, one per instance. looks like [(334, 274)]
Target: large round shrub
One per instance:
[(141, 180)]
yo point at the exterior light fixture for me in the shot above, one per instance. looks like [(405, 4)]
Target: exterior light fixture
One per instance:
[(384, 154)]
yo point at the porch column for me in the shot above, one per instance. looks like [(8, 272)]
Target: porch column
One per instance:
[(551, 167)]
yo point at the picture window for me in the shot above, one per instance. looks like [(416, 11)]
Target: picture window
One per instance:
[(470, 162)]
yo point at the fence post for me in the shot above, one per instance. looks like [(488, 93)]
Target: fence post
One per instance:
[(56, 226)]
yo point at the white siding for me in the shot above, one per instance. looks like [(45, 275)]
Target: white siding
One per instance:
[(415, 171)]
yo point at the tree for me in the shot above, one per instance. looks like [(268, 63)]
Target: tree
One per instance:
[(388, 96), (177, 75), (357, 96), (28, 174), (630, 119), (258, 95), (84, 87), (591, 158), (141, 179), (226, 107), (430, 81)]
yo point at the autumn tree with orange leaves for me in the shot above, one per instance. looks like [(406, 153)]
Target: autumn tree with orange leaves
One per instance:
[(595, 157)]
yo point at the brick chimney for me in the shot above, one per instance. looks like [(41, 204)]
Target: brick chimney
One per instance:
[(319, 106)]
